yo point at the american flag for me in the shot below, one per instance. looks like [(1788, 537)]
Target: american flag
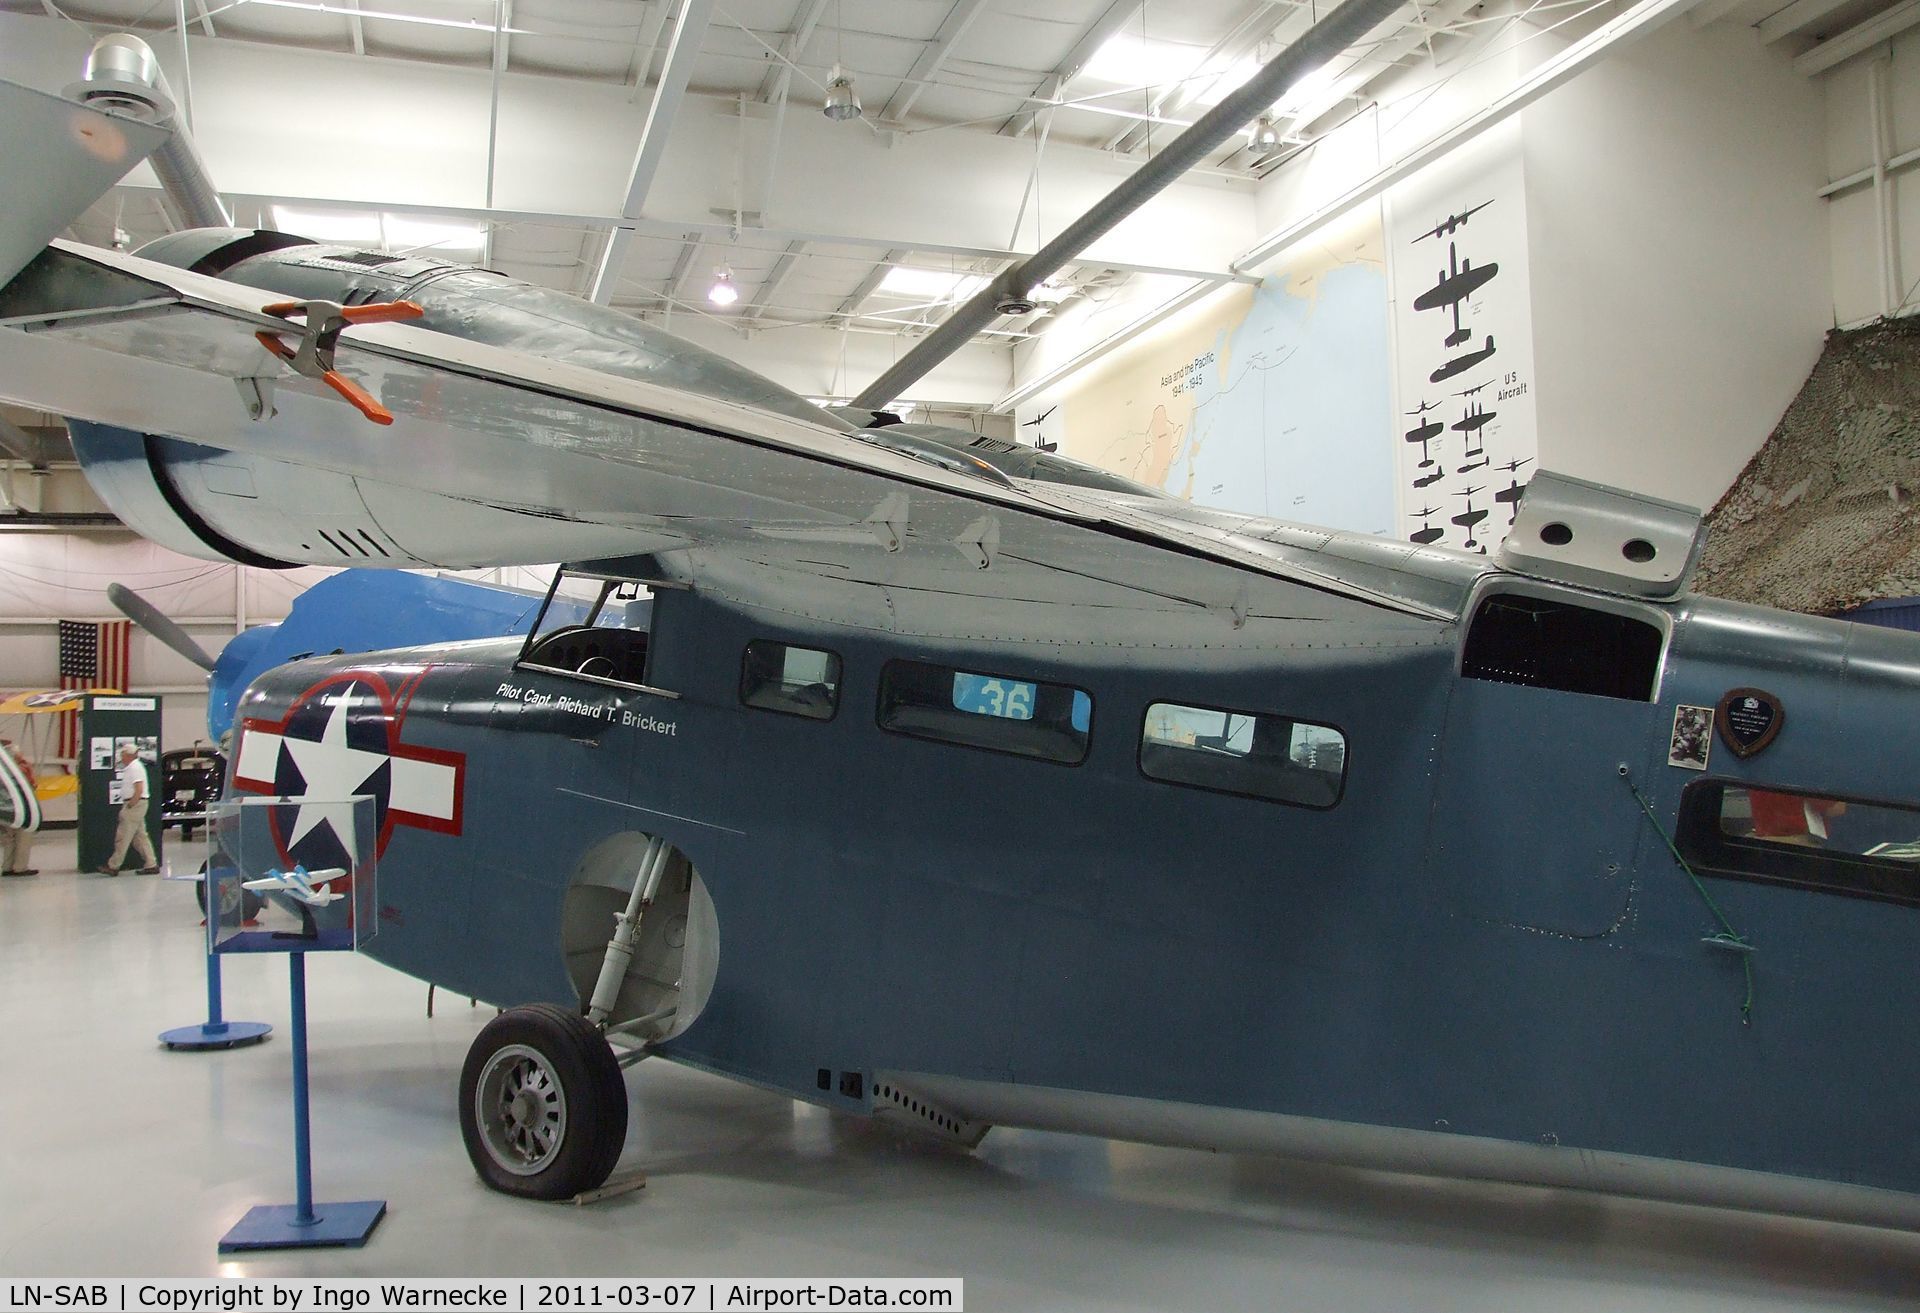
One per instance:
[(93, 654)]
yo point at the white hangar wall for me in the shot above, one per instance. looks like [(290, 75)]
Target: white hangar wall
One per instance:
[(1681, 278), (1875, 234), (1675, 247)]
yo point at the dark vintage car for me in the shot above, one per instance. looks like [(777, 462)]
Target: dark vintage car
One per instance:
[(191, 781)]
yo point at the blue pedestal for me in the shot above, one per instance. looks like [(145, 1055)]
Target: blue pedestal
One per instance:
[(216, 1035), (215, 1032), (302, 1224), (280, 1226)]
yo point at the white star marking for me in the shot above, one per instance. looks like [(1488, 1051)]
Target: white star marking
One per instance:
[(333, 773)]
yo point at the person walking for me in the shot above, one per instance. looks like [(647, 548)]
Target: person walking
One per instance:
[(132, 829), (16, 845)]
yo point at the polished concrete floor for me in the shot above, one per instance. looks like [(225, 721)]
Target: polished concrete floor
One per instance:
[(119, 1158)]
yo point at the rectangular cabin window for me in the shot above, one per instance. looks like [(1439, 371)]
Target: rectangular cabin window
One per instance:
[(1259, 756), (1809, 840), (799, 681), (1538, 641), (976, 710)]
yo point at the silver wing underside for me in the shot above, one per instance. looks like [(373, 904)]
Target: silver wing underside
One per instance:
[(586, 466)]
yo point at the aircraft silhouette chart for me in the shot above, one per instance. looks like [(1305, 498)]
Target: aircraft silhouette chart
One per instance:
[(1475, 419), (1452, 288), (1424, 434), (1470, 517), (1475, 389), (1510, 495), (1427, 534), (924, 776), (1428, 480), (1039, 443), (1452, 223), (1461, 364), (1423, 408)]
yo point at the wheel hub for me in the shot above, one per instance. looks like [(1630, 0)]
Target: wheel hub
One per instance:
[(520, 1109)]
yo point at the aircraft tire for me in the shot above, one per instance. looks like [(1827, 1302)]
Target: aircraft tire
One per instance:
[(543, 1106), (231, 913)]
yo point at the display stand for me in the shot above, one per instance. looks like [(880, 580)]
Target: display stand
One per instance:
[(302, 1224), (313, 861), (216, 1032)]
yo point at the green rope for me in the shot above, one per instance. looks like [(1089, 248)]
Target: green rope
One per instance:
[(1728, 936)]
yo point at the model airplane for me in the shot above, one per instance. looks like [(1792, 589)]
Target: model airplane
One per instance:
[(963, 786), (301, 885)]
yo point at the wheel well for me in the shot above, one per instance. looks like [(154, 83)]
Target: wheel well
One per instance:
[(676, 954)]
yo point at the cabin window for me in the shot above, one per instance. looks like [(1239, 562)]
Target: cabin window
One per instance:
[(1277, 758), (1001, 713), (1809, 840), (1538, 641), (798, 681)]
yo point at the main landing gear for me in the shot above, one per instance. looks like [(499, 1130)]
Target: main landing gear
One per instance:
[(543, 1107)]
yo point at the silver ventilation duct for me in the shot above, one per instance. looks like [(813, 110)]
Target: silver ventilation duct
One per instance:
[(123, 77)]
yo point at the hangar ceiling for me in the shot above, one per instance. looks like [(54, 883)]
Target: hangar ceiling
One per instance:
[(1065, 79), (1060, 99)]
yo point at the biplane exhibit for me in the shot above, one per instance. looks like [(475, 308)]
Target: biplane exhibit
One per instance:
[(1125, 654)]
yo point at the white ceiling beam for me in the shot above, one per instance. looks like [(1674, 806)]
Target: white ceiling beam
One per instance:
[(646, 44), (1797, 17), (869, 284), (682, 270), (774, 86), (1712, 11), (667, 95), (1256, 26), (206, 19), (1096, 34), (1839, 49), (356, 29), (932, 56), (776, 279), (1549, 76)]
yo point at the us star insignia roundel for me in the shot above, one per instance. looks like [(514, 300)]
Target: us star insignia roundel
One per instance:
[(342, 738)]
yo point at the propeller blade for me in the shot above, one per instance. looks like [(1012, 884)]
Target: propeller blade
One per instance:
[(145, 614)]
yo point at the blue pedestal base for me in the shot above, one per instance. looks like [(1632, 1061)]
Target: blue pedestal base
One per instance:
[(277, 1226), (216, 1035)]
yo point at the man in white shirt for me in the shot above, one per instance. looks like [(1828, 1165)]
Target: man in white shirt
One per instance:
[(132, 829)]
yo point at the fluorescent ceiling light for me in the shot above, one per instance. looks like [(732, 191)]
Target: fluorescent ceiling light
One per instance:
[(1226, 79), (397, 233), (929, 284), (345, 226), (345, 11), (436, 236), (1316, 83), (1130, 61)]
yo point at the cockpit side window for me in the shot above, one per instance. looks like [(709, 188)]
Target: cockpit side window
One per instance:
[(797, 681), (1544, 642)]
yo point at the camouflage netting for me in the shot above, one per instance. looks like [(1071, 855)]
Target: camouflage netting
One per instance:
[(1823, 519)]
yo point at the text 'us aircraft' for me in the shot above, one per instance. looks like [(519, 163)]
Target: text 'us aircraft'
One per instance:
[(929, 777)]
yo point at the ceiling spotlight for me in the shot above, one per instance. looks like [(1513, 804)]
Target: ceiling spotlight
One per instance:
[(723, 291), (843, 102), (1265, 135)]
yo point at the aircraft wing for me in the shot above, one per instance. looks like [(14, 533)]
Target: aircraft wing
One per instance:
[(67, 156), (592, 466)]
